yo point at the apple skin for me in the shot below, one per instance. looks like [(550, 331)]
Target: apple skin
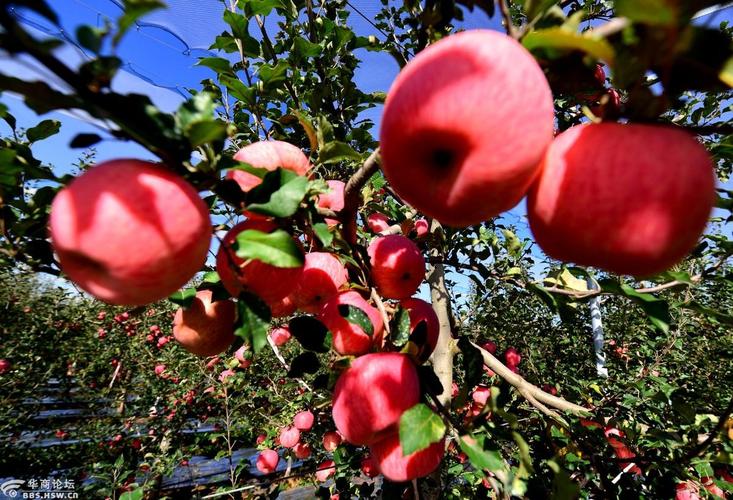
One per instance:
[(325, 470), (512, 357), (289, 437), (130, 232), (5, 366), (241, 356), (303, 420), (371, 395), (270, 283), (280, 335), (387, 454), (205, 328), (398, 267), (323, 275), (377, 222), (349, 339), (421, 228), (302, 450), (333, 199), (464, 127), (626, 198), (331, 440), (267, 461), (268, 155), (369, 467), (481, 395), (282, 308), (419, 310)]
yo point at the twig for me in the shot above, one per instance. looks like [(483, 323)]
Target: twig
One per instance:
[(380, 307), (702, 446), (285, 363), (507, 16), (611, 27), (352, 193)]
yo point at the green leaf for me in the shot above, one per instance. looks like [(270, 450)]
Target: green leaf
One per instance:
[(306, 362), (84, 140), (311, 333), (276, 248), (5, 115), (211, 277), (238, 89), (270, 75), (253, 321), (279, 194), (400, 327), (656, 309), (238, 23), (206, 132), (357, 317), (323, 234), (337, 151), (419, 428), (259, 7), (481, 458), (184, 297), (562, 39), (303, 48), (218, 64), (90, 38), (43, 130), (726, 74), (134, 10), (655, 12), (136, 494)]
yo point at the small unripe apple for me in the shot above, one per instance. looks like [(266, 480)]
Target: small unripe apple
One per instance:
[(270, 283), (129, 231), (268, 155), (205, 328), (302, 450), (464, 127), (333, 199), (371, 395), (325, 470), (626, 198), (267, 461), (349, 338), (323, 275), (289, 437), (377, 222), (280, 335), (393, 465), (303, 420), (420, 311), (331, 440), (398, 267)]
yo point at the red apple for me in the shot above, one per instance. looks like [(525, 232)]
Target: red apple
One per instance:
[(302, 450), (303, 420), (159, 369), (489, 346), (223, 376), (205, 328), (369, 467), (349, 338), (268, 155), (282, 308), (5, 366), (464, 127), (371, 395), (687, 491), (331, 440), (421, 228), (280, 335), (712, 488), (269, 282), (289, 437), (333, 199), (388, 456), (241, 356), (599, 74), (325, 470), (512, 357), (378, 222), (260, 439), (129, 231), (267, 461), (398, 267), (481, 395), (420, 311), (551, 389), (323, 275), (626, 198)]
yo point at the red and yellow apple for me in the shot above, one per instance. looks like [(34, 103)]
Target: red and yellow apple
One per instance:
[(348, 338), (206, 327), (387, 454)]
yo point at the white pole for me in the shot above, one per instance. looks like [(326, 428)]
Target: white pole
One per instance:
[(597, 328)]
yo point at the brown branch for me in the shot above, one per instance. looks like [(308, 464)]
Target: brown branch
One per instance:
[(702, 446), (352, 194), (611, 27), (511, 30), (531, 392)]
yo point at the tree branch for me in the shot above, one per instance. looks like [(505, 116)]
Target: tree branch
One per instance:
[(352, 194), (506, 15)]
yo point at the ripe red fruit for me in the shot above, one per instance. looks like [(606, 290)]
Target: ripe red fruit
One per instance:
[(331, 440), (323, 275), (159, 369), (481, 395), (302, 450), (205, 328), (4, 366), (630, 199), (325, 470), (599, 74), (282, 308), (464, 127), (398, 267), (377, 222), (280, 335), (371, 395), (387, 453), (420, 311), (333, 199), (550, 389), (349, 338), (369, 467), (261, 439), (687, 491), (289, 437), (489, 346), (421, 228), (270, 283), (268, 155), (512, 357), (303, 420), (130, 232), (267, 461)]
